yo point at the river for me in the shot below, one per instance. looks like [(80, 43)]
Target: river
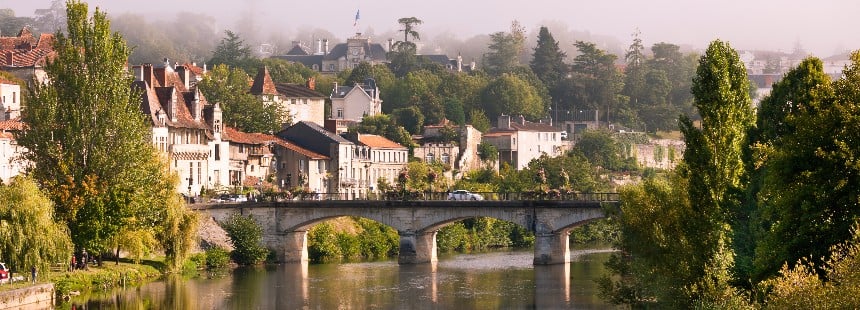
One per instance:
[(493, 280)]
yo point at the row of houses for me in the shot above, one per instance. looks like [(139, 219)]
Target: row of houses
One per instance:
[(314, 152)]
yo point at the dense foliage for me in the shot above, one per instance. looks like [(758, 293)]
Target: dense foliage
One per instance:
[(29, 236), (89, 146), (246, 235)]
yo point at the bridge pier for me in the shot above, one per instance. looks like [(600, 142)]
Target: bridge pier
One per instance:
[(293, 247), (552, 248), (417, 248)]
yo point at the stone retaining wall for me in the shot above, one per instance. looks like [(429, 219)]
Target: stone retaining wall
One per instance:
[(32, 297)]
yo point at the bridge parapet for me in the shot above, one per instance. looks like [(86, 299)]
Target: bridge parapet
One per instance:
[(285, 224)]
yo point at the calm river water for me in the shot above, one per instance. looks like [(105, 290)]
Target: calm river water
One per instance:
[(496, 280)]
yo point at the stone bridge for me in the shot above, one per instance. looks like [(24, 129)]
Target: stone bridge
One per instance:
[(286, 224)]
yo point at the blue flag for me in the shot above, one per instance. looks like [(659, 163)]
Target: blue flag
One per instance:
[(356, 18)]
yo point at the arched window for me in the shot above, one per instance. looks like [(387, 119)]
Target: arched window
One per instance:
[(446, 159), (429, 158)]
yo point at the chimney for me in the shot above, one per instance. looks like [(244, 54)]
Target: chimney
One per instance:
[(504, 122), (184, 75), (319, 47), (148, 74), (10, 57), (195, 105), (325, 42), (459, 62), (138, 73), (167, 67), (311, 83), (521, 120)]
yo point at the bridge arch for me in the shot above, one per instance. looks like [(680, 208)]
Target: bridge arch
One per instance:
[(285, 225)]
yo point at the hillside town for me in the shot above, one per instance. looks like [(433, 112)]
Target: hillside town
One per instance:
[(314, 151)]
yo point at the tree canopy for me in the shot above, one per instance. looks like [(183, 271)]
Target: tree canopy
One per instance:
[(87, 141), (241, 110)]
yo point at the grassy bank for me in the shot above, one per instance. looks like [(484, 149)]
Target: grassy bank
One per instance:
[(99, 278)]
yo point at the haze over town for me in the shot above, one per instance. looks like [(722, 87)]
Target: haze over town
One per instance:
[(823, 28)]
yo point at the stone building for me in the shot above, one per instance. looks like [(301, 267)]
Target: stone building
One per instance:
[(303, 102)]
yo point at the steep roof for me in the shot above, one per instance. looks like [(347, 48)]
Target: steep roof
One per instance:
[(157, 97), (263, 84), (234, 135), (298, 50), (312, 136), (11, 125), (298, 149), (529, 126), (25, 57)]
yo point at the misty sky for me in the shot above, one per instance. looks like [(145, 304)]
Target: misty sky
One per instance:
[(823, 27)]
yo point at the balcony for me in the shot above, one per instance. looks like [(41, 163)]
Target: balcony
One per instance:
[(189, 151)]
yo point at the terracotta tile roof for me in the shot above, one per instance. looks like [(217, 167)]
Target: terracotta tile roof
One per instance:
[(376, 141), (46, 41), (24, 40), (194, 69), (233, 135), (25, 57), (263, 84), (156, 97), (6, 135), (24, 50), (5, 81), (11, 125)]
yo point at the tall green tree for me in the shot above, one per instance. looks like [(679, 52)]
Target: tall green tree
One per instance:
[(233, 52), (409, 24), (809, 191), (548, 60), (599, 81), (505, 50), (241, 110), (86, 138), (714, 160), (410, 118), (511, 95), (678, 232)]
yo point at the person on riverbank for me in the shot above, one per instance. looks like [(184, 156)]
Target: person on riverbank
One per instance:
[(33, 273)]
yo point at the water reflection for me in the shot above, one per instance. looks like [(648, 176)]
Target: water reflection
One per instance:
[(505, 280)]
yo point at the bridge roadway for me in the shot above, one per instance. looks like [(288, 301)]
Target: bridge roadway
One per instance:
[(286, 224)]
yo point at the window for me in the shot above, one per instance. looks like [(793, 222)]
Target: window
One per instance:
[(330, 67), (429, 158), (14, 94), (446, 159), (217, 151), (339, 113), (252, 168), (241, 148), (316, 67)]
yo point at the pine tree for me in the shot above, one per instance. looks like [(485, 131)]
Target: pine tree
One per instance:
[(548, 60)]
